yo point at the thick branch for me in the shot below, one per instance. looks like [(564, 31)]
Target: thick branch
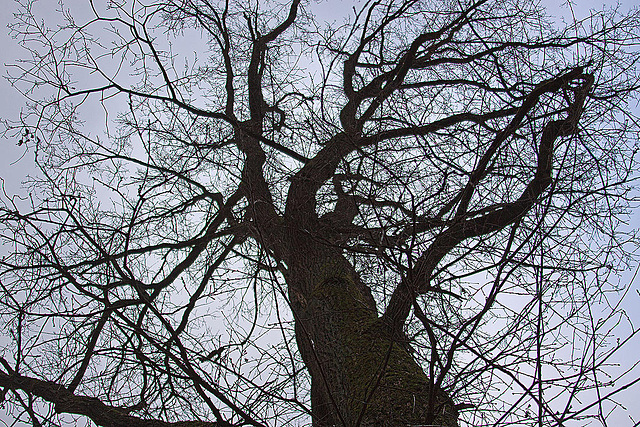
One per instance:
[(254, 186), (418, 282), (103, 415), (528, 104)]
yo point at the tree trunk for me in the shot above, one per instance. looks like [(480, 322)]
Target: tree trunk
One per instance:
[(360, 375)]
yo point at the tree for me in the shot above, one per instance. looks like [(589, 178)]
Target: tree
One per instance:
[(410, 217)]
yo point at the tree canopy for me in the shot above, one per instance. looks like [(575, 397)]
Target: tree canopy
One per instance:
[(243, 214)]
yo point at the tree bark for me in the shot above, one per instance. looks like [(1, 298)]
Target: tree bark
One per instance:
[(361, 375)]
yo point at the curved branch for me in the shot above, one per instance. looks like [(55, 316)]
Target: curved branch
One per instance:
[(65, 401), (418, 282)]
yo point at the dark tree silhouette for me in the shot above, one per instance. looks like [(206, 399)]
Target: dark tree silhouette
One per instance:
[(246, 216)]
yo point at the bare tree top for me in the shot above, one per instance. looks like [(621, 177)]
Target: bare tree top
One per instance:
[(247, 216)]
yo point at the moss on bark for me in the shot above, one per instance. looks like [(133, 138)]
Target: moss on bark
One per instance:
[(360, 375)]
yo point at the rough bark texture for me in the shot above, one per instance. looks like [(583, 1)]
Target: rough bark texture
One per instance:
[(360, 375)]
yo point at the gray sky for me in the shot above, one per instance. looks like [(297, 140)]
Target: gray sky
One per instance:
[(15, 163), (9, 107)]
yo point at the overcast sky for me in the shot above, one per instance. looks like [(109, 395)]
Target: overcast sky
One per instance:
[(15, 163)]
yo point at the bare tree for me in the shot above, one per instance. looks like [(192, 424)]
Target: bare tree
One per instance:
[(409, 217)]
